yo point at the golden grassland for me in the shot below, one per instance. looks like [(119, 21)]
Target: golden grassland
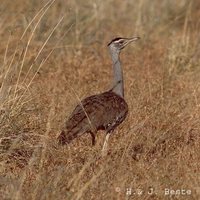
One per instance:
[(53, 53)]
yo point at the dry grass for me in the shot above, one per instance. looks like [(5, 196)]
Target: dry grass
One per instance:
[(53, 51)]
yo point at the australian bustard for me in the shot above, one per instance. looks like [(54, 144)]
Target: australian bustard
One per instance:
[(103, 111)]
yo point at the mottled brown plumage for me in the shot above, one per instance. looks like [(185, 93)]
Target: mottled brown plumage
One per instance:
[(103, 111)]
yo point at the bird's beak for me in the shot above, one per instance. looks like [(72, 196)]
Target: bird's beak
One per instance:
[(129, 40)]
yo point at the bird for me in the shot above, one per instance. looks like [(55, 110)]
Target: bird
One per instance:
[(104, 111)]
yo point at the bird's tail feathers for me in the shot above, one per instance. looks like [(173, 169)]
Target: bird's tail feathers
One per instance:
[(67, 136)]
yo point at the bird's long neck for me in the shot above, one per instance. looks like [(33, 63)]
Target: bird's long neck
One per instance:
[(118, 84)]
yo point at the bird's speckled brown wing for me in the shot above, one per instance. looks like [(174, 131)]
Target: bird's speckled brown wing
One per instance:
[(103, 111)]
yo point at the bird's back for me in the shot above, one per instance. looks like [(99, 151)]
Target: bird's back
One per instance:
[(102, 111)]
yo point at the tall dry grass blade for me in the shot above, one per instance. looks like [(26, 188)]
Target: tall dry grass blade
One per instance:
[(132, 129), (44, 149), (41, 49), (28, 44), (37, 14), (17, 195), (75, 180), (7, 77), (41, 64), (6, 51), (186, 23), (85, 187)]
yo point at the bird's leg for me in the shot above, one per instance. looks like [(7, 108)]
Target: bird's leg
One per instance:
[(93, 138), (105, 145)]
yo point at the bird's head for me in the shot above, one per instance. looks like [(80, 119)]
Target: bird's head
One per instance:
[(118, 44)]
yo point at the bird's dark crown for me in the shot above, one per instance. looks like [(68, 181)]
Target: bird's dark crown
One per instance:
[(114, 40)]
